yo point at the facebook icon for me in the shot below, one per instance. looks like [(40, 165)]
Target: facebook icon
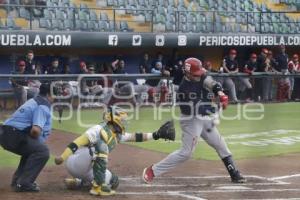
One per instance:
[(113, 40)]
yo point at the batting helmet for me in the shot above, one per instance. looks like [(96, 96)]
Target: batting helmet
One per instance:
[(118, 117), (194, 67)]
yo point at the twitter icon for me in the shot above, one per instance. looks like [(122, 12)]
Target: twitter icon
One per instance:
[(136, 40)]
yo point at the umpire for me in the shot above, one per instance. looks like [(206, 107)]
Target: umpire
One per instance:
[(24, 134)]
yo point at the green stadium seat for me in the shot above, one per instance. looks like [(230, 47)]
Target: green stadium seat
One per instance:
[(219, 27), (70, 13), (93, 16), (91, 25), (2, 26), (103, 26), (56, 24), (47, 14), (83, 7), (103, 17), (44, 23), (59, 15), (10, 24), (82, 15), (24, 13), (124, 27), (110, 3), (170, 26), (113, 26), (68, 24), (50, 5)]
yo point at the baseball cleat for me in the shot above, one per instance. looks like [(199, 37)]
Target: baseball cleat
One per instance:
[(27, 188), (238, 178), (73, 183), (101, 190), (148, 175)]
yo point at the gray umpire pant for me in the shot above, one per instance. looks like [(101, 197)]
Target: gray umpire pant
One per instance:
[(192, 129), (34, 154)]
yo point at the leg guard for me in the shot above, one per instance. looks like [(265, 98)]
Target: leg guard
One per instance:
[(99, 168)]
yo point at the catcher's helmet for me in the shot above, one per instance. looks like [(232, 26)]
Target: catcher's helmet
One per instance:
[(194, 67), (118, 117)]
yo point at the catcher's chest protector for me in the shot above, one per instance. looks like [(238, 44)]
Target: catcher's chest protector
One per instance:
[(109, 137)]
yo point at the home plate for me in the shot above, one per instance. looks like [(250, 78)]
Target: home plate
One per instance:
[(234, 188)]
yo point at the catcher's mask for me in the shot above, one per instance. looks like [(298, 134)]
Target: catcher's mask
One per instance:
[(117, 117)]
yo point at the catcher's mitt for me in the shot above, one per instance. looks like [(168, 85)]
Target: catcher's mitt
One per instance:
[(166, 131)]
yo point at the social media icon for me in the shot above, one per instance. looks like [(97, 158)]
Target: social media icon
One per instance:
[(113, 40), (136, 40), (182, 40), (160, 40)]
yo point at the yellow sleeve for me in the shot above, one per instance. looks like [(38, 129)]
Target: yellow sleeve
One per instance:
[(78, 142)]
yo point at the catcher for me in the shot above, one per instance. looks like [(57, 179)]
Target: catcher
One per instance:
[(87, 156)]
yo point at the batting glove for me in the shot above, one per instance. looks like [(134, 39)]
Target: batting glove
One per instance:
[(224, 101)]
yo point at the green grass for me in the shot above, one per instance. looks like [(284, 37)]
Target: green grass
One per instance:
[(8, 159), (276, 116)]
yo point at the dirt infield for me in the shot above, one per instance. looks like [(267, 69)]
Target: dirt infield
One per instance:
[(269, 178)]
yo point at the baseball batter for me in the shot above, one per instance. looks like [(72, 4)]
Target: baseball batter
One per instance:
[(86, 157), (194, 96)]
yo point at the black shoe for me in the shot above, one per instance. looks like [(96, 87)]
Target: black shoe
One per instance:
[(238, 178), (13, 184), (27, 188)]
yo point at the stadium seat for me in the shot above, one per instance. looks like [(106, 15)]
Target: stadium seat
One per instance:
[(68, 24), (103, 26), (2, 26), (170, 26), (82, 15), (165, 14), (109, 2), (44, 23), (91, 25), (24, 13), (56, 24), (70, 13), (59, 15), (47, 14), (10, 24), (113, 26), (93, 16), (124, 27), (103, 17)]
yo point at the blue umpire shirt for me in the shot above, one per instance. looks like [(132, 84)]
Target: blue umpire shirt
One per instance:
[(36, 112)]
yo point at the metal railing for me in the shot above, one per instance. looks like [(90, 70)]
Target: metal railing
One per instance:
[(113, 19)]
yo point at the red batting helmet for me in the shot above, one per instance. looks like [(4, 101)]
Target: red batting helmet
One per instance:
[(194, 67)]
